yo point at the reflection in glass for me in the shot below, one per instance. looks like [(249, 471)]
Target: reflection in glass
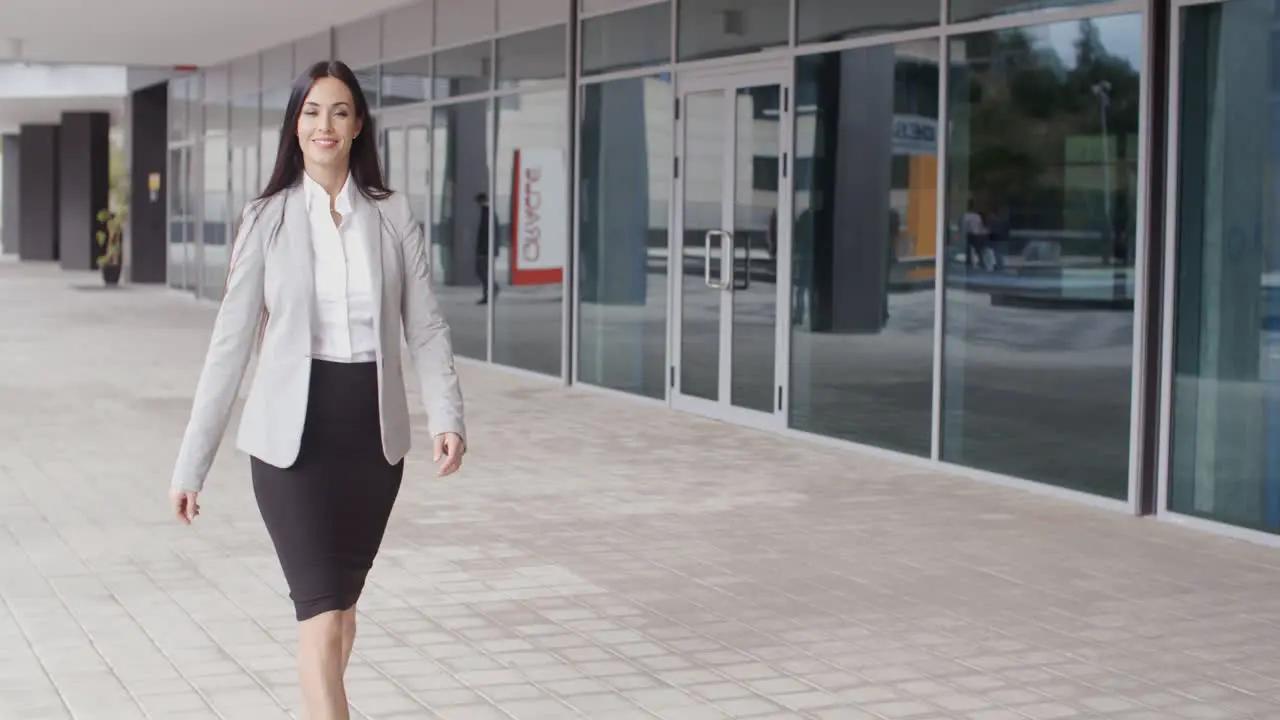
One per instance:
[(191, 193), (464, 70), (180, 255), (274, 105), (533, 56), (243, 180), (702, 243), (1042, 192), (962, 10), (628, 39), (367, 78), (864, 245), (531, 231), (624, 186), (754, 335), (406, 81), (393, 146), (418, 174), (1225, 449), (731, 27), (828, 20), (460, 228), (217, 215), (179, 90)]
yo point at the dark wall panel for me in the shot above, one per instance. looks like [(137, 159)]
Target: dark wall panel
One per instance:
[(38, 192), (9, 207), (84, 156), (149, 110)]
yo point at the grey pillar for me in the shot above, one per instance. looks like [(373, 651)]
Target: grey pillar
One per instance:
[(83, 159), (9, 207), (864, 159), (148, 149), (852, 228), (617, 190), (38, 192)]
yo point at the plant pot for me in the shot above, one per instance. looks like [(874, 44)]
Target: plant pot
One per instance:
[(111, 274)]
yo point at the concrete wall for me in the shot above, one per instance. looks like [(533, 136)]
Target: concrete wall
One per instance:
[(83, 159), (38, 192), (148, 118)]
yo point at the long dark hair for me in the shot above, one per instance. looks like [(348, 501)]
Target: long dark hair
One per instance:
[(365, 169)]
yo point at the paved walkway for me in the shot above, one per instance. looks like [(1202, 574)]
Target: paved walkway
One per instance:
[(597, 558)]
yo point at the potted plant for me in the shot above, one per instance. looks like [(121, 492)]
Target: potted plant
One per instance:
[(111, 241), (112, 220)]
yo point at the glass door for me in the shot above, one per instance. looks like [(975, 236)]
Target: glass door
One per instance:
[(405, 144), (732, 245)]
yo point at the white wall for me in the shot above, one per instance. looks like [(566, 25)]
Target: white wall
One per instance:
[(62, 81)]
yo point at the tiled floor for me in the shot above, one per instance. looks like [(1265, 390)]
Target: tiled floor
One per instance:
[(597, 558)]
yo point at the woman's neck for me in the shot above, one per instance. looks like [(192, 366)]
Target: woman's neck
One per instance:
[(329, 177)]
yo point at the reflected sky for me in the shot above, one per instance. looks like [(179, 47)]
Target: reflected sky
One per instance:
[(1120, 35)]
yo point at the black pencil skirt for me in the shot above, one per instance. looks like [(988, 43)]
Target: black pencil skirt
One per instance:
[(326, 514)]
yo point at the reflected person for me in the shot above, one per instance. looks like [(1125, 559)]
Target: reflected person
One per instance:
[(483, 265), (327, 268)]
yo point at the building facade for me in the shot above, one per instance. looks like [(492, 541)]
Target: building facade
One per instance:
[(1029, 240)]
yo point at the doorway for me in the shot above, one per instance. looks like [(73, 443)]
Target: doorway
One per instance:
[(731, 246)]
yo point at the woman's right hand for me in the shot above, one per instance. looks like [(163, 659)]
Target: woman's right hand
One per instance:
[(185, 504)]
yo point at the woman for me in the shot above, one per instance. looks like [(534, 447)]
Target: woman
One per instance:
[(326, 267)]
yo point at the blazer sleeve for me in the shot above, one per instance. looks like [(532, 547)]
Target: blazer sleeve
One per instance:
[(425, 330), (230, 347)]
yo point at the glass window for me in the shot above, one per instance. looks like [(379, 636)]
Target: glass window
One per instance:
[(827, 20), (246, 125), (406, 81), (531, 231), (216, 216), (532, 56), (962, 10), (274, 105), (368, 80), (730, 27), (1042, 190), (464, 70), (864, 246), (624, 202), (178, 90), (628, 39), (179, 251), (460, 225), (1225, 447)]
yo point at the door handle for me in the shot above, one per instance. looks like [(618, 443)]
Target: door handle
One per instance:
[(728, 261), (746, 275), (706, 260)]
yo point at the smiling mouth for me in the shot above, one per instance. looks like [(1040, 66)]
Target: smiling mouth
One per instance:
[(326, 143)]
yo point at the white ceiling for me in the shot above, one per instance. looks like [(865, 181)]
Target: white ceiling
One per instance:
[(167, 32), (49, 110)]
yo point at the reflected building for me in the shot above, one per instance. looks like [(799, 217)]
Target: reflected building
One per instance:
[(978, 239)]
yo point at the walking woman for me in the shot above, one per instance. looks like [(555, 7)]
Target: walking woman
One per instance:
[(327, 266)]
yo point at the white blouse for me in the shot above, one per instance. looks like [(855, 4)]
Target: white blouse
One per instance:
[(342, 329)]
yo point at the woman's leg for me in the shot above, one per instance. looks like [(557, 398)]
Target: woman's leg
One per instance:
[(321, 663), (348, 636)]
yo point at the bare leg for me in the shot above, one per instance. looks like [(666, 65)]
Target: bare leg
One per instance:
[(348, 636), (320, 667)]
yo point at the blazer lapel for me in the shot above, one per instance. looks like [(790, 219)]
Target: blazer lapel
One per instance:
[(297, 231)]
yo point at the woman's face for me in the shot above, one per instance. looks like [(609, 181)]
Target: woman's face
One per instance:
[(328, 123)]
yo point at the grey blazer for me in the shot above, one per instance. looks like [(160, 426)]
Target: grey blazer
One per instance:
[(268, 304)]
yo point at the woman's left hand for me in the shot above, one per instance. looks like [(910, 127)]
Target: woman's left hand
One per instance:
[(449, 448)]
